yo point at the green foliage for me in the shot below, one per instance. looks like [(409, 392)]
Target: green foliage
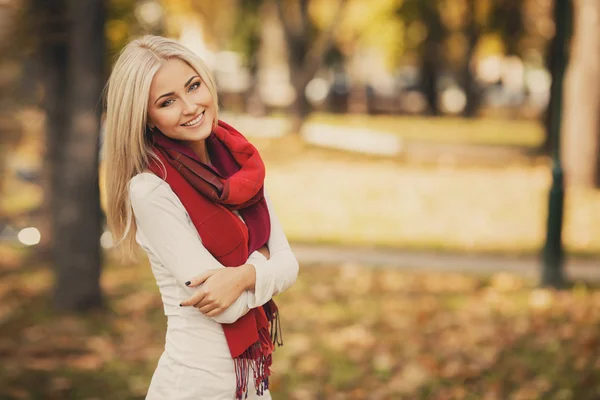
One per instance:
[(246, 34), (424, 21), (121, 25)]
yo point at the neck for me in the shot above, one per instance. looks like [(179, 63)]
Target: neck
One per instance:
[(199, 147)]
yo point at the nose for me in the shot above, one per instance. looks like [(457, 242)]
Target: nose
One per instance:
[(189, 108)]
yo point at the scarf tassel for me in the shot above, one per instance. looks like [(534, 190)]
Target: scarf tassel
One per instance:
[(272, 313), (259, 358)]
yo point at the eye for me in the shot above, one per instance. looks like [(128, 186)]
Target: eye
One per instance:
[(167, 103), (194, 86)]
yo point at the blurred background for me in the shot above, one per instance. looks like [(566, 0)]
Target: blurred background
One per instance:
[(416, 152)]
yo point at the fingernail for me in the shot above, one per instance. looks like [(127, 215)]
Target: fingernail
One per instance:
[(188, 283), (180, 305)]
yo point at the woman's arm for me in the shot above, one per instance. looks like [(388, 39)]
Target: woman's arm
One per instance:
[(167, 231), (272, 269), (280, 271)]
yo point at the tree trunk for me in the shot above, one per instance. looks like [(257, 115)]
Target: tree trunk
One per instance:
[(52, 31), (301, 108), (305, 56), (470, 84), (10, 129), (429, 75), (78, 215), (71, 53), (580, 139), (430, 53), (549, 142)]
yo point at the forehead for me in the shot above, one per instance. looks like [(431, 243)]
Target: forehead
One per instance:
[(171, 76)]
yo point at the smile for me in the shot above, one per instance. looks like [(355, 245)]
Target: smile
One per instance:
[(195, 121)]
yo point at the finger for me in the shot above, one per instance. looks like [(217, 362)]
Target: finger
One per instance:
[(200, 279), (195, 299), (214, 312), (208, 308), (204, 302)]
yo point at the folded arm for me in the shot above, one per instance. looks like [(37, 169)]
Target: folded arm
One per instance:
[(165, 226)]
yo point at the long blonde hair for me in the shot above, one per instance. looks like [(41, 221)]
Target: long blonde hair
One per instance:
[(127, 149)]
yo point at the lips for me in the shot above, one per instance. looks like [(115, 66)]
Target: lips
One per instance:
[(195, 121)]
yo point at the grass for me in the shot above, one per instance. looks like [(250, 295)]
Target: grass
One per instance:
[(481, 131), (324, 196), (490, 131), (350, 332)]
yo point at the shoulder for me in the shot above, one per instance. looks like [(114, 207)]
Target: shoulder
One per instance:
[(147, 189), (145, 184), (152, 198)]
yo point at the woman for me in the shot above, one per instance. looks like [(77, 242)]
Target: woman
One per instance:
[(188, 189)]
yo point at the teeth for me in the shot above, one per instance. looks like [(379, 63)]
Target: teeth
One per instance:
[(195, 120)]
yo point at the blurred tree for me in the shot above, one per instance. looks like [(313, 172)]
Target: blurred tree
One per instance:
[(121, 24), (218, 23), (10, 129), (246, 40), (307, 47), (367, 30), (373, 25), (581, 139), (71, 54), (473, 31), (489, 17), (549, 139), (128, 19), (506, 19), (427, 30)]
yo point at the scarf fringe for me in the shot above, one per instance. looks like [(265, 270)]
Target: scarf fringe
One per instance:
[(272, 313), (257, 357)]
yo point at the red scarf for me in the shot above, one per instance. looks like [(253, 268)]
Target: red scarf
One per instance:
[(209, 194)]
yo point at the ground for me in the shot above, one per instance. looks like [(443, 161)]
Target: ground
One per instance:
[(350, 332)]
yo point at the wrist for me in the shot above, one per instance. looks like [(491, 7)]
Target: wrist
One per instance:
[(248, 276)]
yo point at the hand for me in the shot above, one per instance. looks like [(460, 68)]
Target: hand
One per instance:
[(220, 288)]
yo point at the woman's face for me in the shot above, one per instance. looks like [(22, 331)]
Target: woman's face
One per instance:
[(180, 104)]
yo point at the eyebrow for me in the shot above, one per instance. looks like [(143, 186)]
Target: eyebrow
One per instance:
[(172, 93)]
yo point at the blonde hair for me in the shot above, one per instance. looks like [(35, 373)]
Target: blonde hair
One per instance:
[(127, 150)]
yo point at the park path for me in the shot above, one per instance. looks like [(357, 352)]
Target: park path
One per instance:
[(527, 266)]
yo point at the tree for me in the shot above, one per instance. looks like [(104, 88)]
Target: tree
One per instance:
[(549, 140), (506, 18), (71, 54), (426, 13), (306, 50), (473, 31), (247, 40), (501, 17), (10, 131), (581, 139)]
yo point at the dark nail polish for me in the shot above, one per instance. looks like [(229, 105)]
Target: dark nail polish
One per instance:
[(188, 283), (180, 305)]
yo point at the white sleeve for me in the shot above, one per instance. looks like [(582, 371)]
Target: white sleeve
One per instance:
[(277, 274), (164, 224)]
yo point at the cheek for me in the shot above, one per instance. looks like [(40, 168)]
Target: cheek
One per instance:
[(165, 117), (203, 96)]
